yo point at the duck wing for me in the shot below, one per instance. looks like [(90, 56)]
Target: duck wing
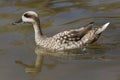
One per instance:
[(74, 34)]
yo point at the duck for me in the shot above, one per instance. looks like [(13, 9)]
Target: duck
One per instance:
[(65, 40)]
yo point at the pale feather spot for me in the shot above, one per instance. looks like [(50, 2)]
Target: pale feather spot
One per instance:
[(61, 38), (65, 37), (69, 39), (63, 41), (69, 35)]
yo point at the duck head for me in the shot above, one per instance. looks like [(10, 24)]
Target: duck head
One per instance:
[(28, 17)]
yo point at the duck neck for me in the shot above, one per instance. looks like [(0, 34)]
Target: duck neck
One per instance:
[(38, 31)]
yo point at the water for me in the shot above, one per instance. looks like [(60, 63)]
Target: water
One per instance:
[(20, 59)]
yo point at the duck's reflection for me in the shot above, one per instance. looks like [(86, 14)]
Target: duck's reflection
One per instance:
[(36, 68), (59, 57)]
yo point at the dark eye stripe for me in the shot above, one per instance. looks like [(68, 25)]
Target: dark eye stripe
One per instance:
[(27, 15)]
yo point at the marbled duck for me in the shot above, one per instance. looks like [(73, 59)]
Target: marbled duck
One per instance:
[(69, 39)]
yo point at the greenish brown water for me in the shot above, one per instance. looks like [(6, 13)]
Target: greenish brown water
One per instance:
[(20, 59)]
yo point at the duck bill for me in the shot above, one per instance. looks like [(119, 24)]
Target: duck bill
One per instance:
[(17, 22)]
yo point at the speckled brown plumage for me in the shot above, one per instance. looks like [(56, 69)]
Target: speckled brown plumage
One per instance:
[(75, 38)]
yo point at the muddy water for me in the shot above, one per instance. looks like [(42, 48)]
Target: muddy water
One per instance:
[(20, 59)]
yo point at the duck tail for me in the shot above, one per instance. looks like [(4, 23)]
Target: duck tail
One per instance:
[(102, 28)]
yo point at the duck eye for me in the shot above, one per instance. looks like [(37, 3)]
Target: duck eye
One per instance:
[(27, 15)]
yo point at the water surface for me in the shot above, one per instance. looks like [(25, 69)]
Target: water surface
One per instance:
[(20, 59)]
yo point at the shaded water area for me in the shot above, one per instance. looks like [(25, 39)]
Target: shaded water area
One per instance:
[(21, 59)]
